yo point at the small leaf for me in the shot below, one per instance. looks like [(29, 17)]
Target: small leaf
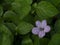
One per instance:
[(55, 40), (46, 10), (24, 28)]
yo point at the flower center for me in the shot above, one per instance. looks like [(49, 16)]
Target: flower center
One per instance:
[(41, 29)]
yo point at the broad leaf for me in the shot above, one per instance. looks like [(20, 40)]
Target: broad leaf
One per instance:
[(21, 8), (24, 28), (11, 26), (10, 16), (6, 36), (46, 10)]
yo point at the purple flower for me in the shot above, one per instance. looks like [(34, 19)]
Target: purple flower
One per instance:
[(41, 28)]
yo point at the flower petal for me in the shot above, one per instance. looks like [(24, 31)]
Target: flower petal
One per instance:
[(44, 23), (47, 29), (41, 34), (38, 23), (35, 30)]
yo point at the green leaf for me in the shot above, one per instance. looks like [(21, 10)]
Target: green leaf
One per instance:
[(10, 16), (21, 9), (1, 10), (55, 40), (57, 26), (11, 26), (46, 10), (4, 29), (55, 2), (27, 41), (24, 28), (7, 37)]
